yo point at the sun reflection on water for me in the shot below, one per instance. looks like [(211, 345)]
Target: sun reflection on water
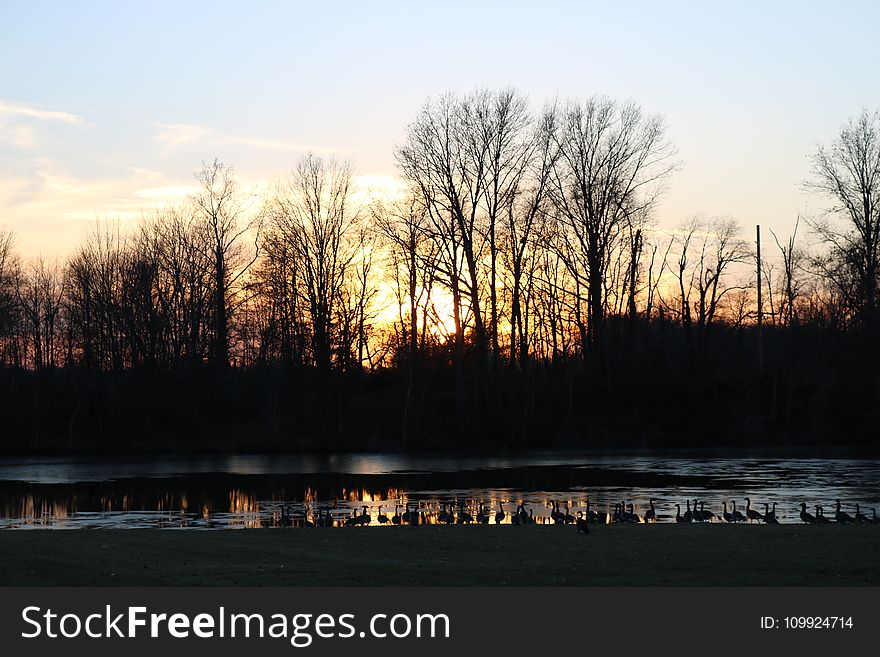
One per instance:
[(287, 501)]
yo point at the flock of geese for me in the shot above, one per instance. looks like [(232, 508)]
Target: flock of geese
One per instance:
[(623, 513)]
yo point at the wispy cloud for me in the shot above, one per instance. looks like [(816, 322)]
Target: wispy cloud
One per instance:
[(181, 134), (175, 135), (17, 109), (24, 126)]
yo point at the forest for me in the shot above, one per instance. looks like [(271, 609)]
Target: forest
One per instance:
[(517, 292)]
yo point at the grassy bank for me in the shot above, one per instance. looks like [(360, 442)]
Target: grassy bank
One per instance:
[(707, 555)]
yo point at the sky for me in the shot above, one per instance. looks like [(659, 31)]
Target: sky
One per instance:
[(107, 108)]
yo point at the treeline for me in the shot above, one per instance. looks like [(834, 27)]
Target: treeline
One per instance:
[(517, 292)]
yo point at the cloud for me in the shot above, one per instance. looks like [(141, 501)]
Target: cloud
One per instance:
[(23, 126), (175, 135), (17, 109), (50, 207), (181, 134)]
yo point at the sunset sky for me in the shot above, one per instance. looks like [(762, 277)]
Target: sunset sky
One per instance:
[(106, 110)]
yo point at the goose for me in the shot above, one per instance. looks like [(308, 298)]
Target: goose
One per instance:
[(770, 516), (806, 516), (395, 519), (382, 518), (499, 517), (450, 517), (485, 520), (555, 514), (861, 519), (737, 516), (464, 517), (286, 520), (688, 515), (728, 517), (631, 516), (651, 514), (352, 520), (678, 516), (705, 515), (750, 513), (568, 517), (820, 516), (582, 523), (365, 518), (442, 516), (411, 517), (841, 516), (523, 515), (481, 515)]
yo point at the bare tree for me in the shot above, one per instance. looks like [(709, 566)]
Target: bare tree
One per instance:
[(791, 286), (527, 209), (445, 159), (502, 126), (612, 161), (311, 215), (10, 273), (219, 205), (705, 251), (848, 172), (39, 296)]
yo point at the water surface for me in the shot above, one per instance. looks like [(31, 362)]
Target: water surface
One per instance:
[(212, 492)]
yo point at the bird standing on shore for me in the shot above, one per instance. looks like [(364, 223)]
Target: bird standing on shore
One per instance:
[(806, 516), (631, 516), (482, 516), (737, 516), (651, 514), (705, 515), (688, 515), (751, 514), (841, 516), (678, 516), (463, 516)]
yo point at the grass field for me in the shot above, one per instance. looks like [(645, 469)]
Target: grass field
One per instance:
[(626, 555)]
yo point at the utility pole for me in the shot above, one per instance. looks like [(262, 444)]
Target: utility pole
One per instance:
[(760, 304)]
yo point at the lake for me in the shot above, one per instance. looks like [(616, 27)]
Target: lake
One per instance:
[(244, 491)]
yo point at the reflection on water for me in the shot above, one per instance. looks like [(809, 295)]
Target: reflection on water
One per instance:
[(255, 492)]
